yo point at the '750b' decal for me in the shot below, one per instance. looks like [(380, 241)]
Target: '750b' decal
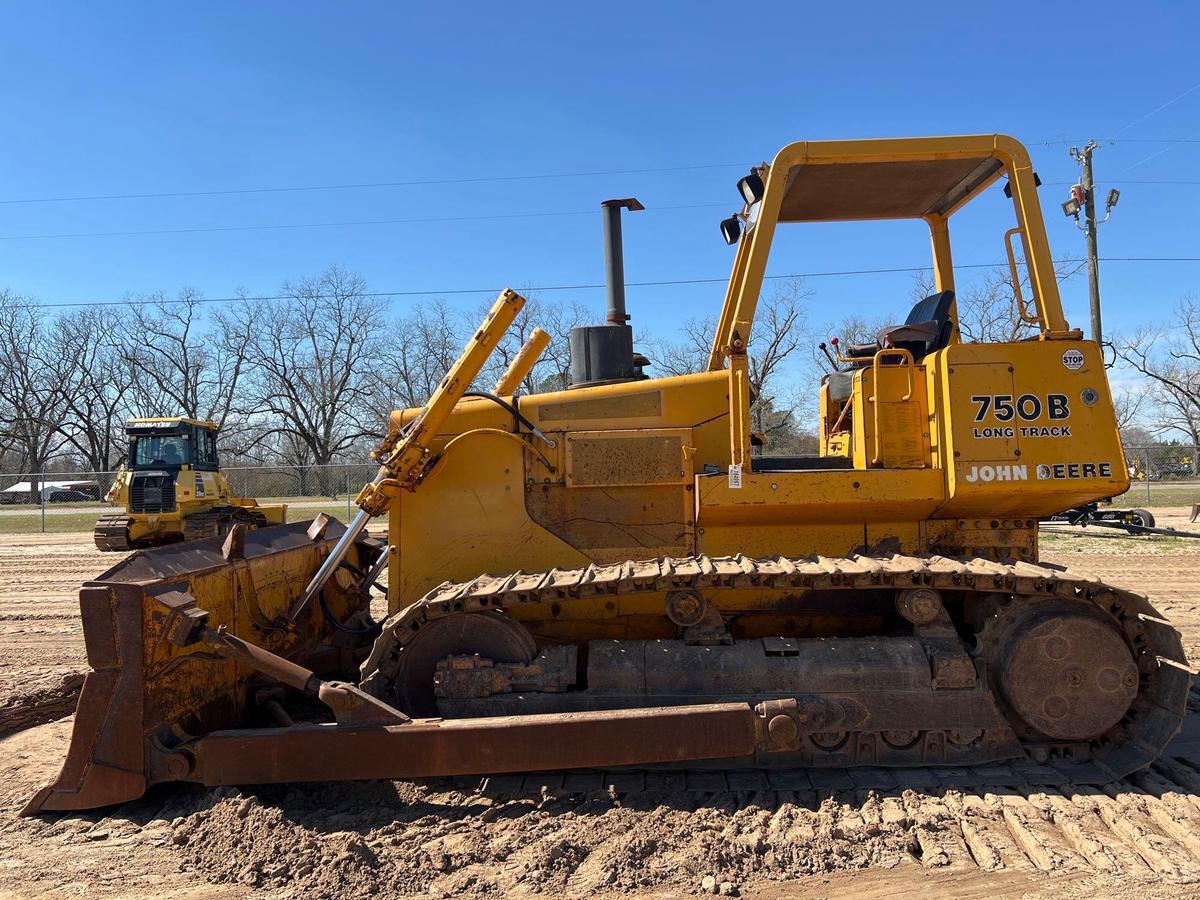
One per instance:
[(1027, 407)]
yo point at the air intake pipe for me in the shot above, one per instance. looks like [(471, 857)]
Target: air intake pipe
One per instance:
[(603, 354)]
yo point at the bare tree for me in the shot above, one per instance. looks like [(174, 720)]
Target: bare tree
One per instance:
[(416, 353), (183, 363), (32, 374), (97, 383), (689, 353), (552, 372), (1169, 357), (780, 329), (308, 362), (1127, 404), (852, 329), (987, 307)]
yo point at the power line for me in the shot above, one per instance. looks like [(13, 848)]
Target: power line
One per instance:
[(369, 184), (285, 226), (416, 182), (1116, 140), (448, 292), (1126, 181), (1158, 153), (293, 225), (1158, 109)]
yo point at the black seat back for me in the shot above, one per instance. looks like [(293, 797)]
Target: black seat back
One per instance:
[(934, 308)]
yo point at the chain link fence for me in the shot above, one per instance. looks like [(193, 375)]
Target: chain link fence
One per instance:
[(72, 501), (1162, 475)]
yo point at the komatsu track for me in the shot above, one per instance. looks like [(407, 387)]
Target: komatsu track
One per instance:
[(112, 532), (217, 521), (1009, 699)]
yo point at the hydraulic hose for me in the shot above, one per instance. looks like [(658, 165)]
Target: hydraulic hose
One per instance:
[(516, 414)]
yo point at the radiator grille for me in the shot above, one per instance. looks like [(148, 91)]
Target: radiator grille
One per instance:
[(152, 494)]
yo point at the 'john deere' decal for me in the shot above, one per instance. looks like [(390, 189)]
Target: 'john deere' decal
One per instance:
[(1074, 470)]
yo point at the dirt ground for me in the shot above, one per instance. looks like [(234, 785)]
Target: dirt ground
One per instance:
[(1140, 838)]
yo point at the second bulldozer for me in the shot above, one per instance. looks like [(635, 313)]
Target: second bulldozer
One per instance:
[(606, 576), (173, 489)]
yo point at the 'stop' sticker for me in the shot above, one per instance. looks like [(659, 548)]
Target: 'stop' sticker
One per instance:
[(1073, 359)]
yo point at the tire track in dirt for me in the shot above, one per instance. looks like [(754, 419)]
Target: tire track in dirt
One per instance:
[(43, 656), (1135, 838)]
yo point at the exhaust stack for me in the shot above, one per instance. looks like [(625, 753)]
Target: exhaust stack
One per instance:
[(602, 354)]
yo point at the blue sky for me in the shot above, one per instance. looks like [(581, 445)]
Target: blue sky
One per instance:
[(137, 98)]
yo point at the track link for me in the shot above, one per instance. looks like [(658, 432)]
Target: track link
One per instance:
[(217, 521), (112, 532), (1153, 719)]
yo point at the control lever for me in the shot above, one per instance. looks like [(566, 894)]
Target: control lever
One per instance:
[(828, 355)]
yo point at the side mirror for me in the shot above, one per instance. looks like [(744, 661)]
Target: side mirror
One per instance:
[(731, 229)]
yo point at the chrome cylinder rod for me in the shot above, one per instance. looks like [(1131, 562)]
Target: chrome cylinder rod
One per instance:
[(332, 561)]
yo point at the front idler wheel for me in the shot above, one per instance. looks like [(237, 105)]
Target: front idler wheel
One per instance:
[(490, 635)]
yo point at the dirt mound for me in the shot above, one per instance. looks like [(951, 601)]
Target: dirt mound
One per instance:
[(328, 841)]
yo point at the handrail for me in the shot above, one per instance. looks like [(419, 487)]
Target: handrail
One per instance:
[(876, 364), (1022, 308)]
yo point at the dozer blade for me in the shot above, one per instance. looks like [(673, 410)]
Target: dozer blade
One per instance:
[(145, 695), (202, 672)]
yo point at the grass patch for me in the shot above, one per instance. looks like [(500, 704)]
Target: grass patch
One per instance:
[(1158, 495), (59, 521), (1102, 540)]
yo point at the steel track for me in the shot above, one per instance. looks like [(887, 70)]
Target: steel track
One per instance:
[(1153, 719), (112, 532)]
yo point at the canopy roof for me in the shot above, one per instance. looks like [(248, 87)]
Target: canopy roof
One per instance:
[(872, 189)]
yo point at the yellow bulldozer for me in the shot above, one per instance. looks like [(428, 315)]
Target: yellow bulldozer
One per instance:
[(607, 579), (173, 489)]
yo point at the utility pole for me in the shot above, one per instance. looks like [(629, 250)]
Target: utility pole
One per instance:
[(1089, 219), (1084, 195)]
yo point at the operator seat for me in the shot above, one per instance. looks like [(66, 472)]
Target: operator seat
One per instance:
[(927, 328)]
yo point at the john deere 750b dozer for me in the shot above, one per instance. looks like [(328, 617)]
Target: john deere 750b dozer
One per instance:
[(606, 577)]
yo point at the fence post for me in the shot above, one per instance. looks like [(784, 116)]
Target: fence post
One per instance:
[(1148, 464), (348, 516), (42, 495)]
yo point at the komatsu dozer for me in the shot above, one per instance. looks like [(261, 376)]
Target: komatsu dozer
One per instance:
[(173, 489), (608, 578)]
